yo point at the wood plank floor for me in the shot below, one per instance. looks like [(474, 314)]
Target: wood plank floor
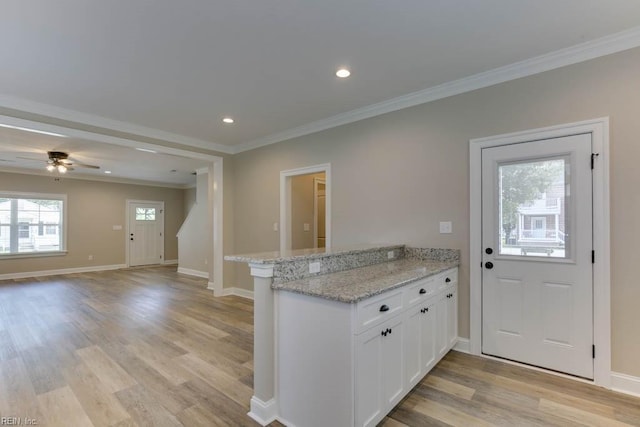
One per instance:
[(149, 347)]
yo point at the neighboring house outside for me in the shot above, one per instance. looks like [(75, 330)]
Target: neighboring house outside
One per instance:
[(38, 226), (541, 223)]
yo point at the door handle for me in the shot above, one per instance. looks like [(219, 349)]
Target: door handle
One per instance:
[(488, 251), (488, 265), (132, 239)]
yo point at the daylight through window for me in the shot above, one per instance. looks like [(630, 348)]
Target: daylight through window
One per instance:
[(31, 223)]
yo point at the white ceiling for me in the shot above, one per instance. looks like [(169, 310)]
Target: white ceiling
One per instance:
[(177, 67)]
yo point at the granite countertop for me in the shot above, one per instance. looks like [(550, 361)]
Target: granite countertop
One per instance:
[(276, 257), (353, 285)]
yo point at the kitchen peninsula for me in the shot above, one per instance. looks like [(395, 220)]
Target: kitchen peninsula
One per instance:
[(341, 335)]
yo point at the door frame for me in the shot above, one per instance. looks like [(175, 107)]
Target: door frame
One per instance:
[(285, 202), (130, 202), (316, 182), (599, 129)]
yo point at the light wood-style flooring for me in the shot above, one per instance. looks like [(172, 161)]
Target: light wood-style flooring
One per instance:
[(150, 347)]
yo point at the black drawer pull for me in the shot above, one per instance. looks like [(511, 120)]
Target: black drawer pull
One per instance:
[(384, 308), (423, 291), (447, 280)]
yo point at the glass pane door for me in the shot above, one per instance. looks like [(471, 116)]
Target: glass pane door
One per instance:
[(534, 208)]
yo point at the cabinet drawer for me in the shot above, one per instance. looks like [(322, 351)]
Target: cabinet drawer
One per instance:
[(375, 310), (420, 290), (447, 278)]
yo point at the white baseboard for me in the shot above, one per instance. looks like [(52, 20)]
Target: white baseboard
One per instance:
[(239, 292), (624, 383), (190, 272), (462, 345), (263, 413), (170, 262), (41, 273)]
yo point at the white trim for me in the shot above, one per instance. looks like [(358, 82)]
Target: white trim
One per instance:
[(106, 124), (202, 171), (599, 129), (462, 345), (316, 182), (624, 383), (261, 270), (285, 202), (74, 270), (603, 46), (170, 262), (263, 413), (239, 292), (128, 204), (191, 272), (216, 206)]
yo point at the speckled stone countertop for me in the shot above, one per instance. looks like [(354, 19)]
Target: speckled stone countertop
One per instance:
[(353, 285), (278, 257)]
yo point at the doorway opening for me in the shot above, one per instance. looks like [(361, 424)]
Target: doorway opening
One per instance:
[(305, 208)]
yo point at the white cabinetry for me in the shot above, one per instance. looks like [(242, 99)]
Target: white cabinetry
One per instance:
[(379, 370), (350, 364)]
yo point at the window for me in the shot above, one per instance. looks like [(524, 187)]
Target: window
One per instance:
[(31, 223), (145, 214)]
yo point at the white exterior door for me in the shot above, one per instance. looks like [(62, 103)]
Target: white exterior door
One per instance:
[(146, 233), (537, 294)]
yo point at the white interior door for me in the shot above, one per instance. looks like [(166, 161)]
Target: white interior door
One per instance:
[(146, 233), (537, 284)]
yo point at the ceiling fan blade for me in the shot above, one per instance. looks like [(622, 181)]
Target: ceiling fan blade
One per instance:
[(33, 160), (82, 165)]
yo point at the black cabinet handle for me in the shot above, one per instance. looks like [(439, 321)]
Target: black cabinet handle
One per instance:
[(423, 291), (384, 308), (383, 333), (426, 310), (390, 330), (447, 280)]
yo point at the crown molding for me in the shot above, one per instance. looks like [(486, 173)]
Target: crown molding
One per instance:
[(60, 113), (603, 46)]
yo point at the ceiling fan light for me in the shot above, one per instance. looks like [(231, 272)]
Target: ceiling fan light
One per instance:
[(51, 168), (62, 169)]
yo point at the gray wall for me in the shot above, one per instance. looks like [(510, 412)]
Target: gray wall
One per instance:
[(396, 176), (93, 208)]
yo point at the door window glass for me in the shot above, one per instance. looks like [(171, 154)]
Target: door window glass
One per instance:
[(534, 208), (145, 214)]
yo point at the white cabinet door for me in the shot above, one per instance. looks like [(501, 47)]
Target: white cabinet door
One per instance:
[(428, 338), (420, 348), (452, 317), (441, 324), (393, 362), (368, 376), (379, 371), (413, 329)]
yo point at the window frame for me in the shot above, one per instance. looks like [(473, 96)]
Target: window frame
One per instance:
[(63, 223)]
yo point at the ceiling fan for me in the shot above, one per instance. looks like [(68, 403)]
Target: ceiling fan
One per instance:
[(59, 161)]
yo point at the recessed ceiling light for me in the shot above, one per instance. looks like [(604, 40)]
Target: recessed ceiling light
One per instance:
[(228, 120), (32, 130), (343, 73), (146, 150), (107, 172)]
